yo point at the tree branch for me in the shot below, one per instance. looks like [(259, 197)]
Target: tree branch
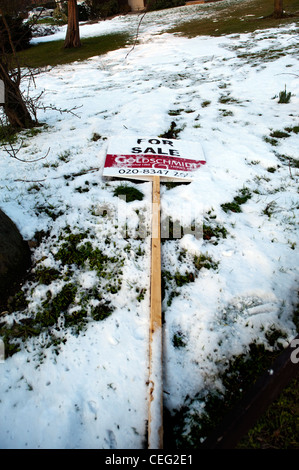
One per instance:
[(13, 152), (137, 33)]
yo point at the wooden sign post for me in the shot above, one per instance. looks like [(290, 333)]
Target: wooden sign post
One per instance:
[(155, 414), (154, 159)]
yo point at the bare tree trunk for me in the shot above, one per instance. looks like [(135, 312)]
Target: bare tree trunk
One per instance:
[(72, 38), (278, 9), (15, 107)]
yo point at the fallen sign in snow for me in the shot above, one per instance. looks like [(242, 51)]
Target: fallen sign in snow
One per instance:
[(144, 157), (154, 159)]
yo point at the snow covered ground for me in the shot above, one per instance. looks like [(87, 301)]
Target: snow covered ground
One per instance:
[(88, 389)]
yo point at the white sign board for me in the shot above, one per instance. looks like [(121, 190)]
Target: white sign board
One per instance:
[(143, 157)]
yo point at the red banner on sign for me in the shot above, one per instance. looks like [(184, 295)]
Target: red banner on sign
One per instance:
[(152, 161)]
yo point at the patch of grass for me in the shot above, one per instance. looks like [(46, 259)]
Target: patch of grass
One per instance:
[(182, 279), (141, 294), (270, 209), (271, 169), (188, 428), (18, 302), (65, 156), (130, 193), (34, 188), (213, 232), (101, 311), (172, 281), (55, 306), (171, 184), (278, 427), (77, 250), (244, 196), (49, 210), (65, 303), (175, 112), (53, 52), (284, 96), (294, 129), (17, 332), (172, 132), (234, 18), (290, 161), (231, 207), (175, 280), (178, 340), (95, 137), (261, 57), (204, 261), (279, 134), (226, 112), (46, 276), (271, 141), (83, 189), (235, 205), (33, 132), (227, 99), (8, 135), (76, 320)]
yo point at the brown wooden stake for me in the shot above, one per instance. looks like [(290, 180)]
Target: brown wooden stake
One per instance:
[(155, 418)]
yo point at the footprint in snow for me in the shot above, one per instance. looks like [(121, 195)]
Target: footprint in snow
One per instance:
[(111, 441)]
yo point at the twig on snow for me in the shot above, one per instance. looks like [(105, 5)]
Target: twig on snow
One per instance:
[(137, 33)]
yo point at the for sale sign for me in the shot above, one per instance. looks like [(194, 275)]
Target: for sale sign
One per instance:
[(143, 157)]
